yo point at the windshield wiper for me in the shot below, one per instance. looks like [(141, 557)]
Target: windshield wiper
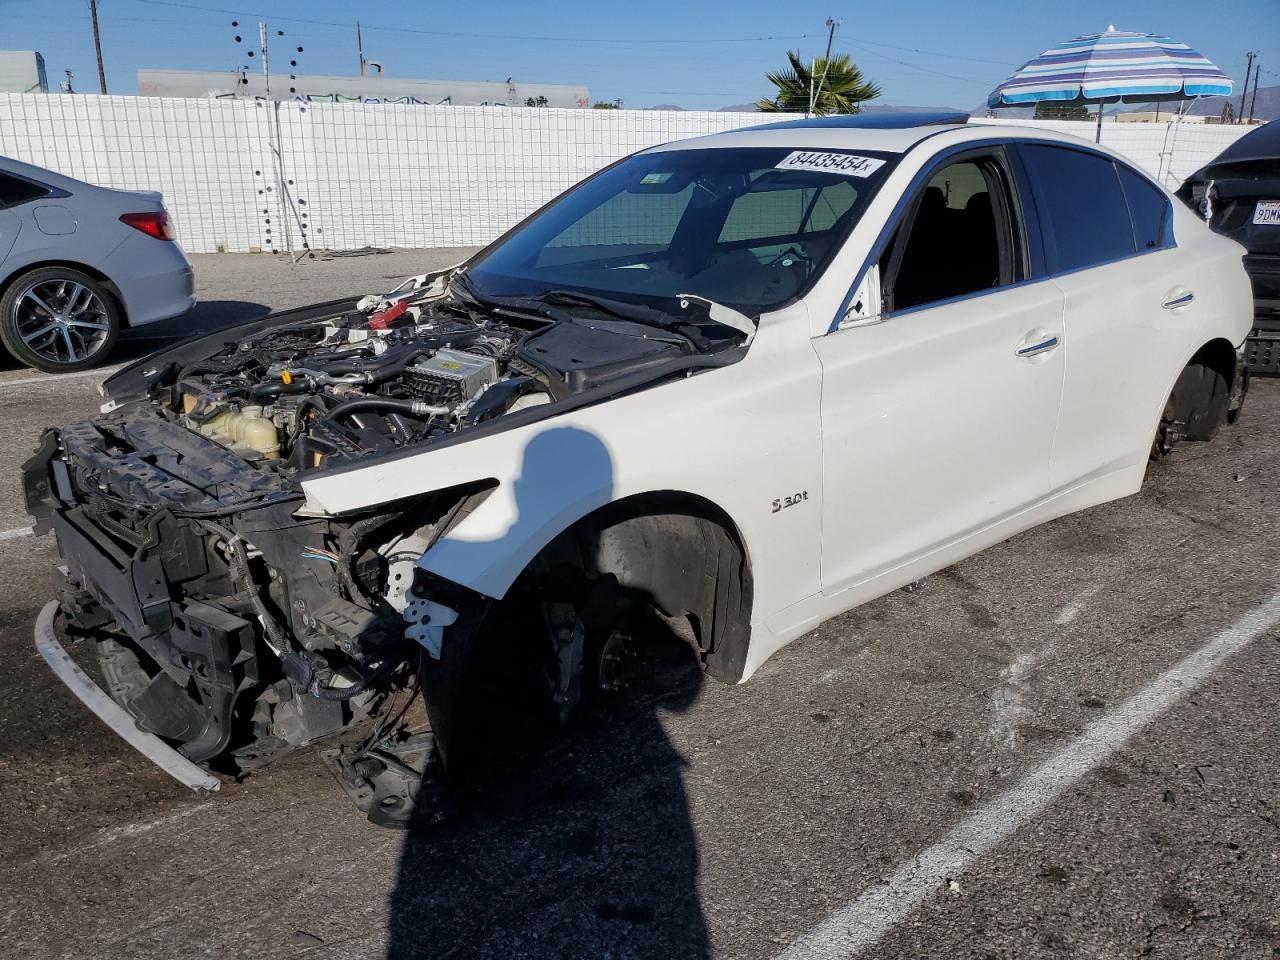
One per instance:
[(627, 312), (687, 329), (468, 287), (617, 308), (516, 304), (718, 313), (711, 311)]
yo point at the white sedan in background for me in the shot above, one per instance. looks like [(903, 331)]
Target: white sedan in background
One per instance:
[(752, 379), (78, 263)]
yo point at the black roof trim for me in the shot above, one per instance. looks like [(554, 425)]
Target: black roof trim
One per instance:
[(889, 120)]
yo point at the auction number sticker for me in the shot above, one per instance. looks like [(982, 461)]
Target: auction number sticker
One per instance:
[(1267, 211), (848, 164)]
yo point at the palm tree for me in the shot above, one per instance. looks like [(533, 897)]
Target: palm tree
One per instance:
[(838, 86)]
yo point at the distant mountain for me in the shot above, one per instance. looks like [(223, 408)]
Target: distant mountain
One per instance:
[(1267, 108), (893, 108), (868, 108), (735, 108), (1004, 113)]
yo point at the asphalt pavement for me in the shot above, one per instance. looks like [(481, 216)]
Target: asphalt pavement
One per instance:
[(1065, 746)]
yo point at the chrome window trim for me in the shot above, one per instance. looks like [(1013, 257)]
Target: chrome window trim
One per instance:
[(891, 223)]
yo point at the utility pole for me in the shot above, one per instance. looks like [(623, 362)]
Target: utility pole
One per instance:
[(360, 50), (813, 68), (262, 42), (826, 65), (277, 147), (1247, 70), (66, 84), (1254, 101), (97, 45)]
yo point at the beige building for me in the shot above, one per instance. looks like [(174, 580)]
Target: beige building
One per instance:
[(376, 87), (1162, 116)]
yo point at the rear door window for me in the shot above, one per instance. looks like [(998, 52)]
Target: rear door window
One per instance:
[(1084, 216)]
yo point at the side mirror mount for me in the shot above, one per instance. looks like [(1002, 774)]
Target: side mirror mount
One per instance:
[(866, 307)]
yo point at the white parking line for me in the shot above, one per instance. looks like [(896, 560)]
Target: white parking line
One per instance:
[(113, 834), (16, 532), (102, 372), (1068, 613), (861, 923)]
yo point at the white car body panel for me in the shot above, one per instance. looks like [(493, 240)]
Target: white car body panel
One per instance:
[(856, 421), (885, 429)]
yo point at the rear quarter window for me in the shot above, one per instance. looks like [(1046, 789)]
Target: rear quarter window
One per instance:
[(1084, 215), (1148, 206), (15, 190)]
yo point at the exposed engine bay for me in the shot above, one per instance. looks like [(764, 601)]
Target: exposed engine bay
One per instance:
[(318, 392), (235, 628)]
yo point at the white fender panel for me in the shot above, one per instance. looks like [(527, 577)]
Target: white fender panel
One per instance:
[(562, 474)]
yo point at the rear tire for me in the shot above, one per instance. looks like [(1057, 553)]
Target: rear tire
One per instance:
[(58, 320)]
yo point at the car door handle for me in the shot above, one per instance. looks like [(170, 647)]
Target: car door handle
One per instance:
[(1041, 345), (1178, 298)]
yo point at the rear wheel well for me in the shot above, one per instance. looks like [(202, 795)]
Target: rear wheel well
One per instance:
[(679, 552), (1220, 356), (72, 265), (1201, 397)]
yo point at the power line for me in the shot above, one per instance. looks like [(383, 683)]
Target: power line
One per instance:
[(914, 66), (935, 53), (479, 36), (598, 54)]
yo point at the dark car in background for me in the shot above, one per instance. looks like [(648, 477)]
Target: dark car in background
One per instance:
[(1239, 195)]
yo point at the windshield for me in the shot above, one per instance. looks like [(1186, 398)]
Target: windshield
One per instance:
[(750, 228)]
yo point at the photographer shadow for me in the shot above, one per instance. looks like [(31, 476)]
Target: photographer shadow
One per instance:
[(568, 841)]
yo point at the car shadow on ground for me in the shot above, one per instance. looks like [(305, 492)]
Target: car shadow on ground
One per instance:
[(134, 344), (205, 317), (557, 840)]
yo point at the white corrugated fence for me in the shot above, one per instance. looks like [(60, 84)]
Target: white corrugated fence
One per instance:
[(355, 175)]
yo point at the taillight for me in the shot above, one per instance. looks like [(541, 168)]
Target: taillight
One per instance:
[(152, 224)]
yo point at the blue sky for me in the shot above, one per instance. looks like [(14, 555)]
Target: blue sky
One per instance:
[(695, 54)]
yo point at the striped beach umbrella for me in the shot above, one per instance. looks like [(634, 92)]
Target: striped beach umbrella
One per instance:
[(1111, 67)]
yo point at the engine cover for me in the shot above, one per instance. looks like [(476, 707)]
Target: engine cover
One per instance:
[(450, 377)]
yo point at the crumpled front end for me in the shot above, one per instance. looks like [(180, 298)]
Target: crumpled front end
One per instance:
[(224, 625)]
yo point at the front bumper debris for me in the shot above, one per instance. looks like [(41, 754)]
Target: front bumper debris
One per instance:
[(111, 713)]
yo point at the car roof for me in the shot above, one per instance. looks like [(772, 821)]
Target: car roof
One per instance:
[(48, 177), (888, 120), (74, 187), (885, 133)]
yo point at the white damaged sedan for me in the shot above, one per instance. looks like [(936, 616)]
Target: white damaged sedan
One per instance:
[(749, 380)]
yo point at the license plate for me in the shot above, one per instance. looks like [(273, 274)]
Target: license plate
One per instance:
[(1267, 211)]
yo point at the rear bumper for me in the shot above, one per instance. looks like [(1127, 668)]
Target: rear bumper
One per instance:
[(1264, 272), (154, 277)]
